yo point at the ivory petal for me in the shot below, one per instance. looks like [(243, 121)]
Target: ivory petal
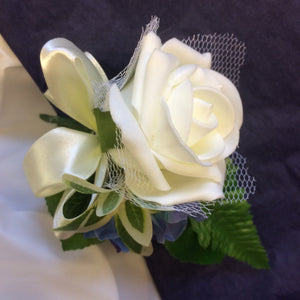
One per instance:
[(134, 139), (186, 54)]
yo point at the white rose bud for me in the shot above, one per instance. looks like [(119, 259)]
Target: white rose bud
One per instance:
[(179, 121)]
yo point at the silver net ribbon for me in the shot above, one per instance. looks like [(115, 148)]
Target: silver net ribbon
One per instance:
[(228, 55)]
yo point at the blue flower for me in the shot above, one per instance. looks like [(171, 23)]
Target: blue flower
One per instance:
[(108, 232), (168, 225)]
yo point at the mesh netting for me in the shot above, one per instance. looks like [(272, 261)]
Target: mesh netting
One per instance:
[(228, 53), (101, 90), (245, 185), (238, 186), (124, 76), (227, 57)]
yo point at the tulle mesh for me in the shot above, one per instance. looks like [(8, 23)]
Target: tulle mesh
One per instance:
[(227, 57), (245, 183), (228, 53), (124, 76)]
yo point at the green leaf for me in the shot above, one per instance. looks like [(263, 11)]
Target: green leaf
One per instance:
[(111, 202), (72, 216), (77, 241), (234, 233), (135, 216), (76, 205), (82, 186), (203, 230), (106, 128), (65, 122), (235, 195), (187, 249), (93, 219), (126, 237), (137, 222), (107, 203), (75, 224), (52, 202)]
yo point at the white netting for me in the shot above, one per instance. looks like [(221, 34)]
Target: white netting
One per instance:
[(227, 57), (101, 90), (124, 76), (228, 53), (239, 184)]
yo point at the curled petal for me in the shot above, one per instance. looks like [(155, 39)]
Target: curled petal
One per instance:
[(149, 43), (210, 146), (228, 88), (200, 129), (166, 140), (222, 108), (72, 80), (158, 69), (180, 104), (205, 77), (202, 110), (134, 139), (213, 79), (180, 74), (230, 144), (60, 151), (186, 54), (183, 190), (213, 172)]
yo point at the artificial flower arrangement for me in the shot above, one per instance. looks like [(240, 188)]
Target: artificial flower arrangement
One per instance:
[(150, 154)]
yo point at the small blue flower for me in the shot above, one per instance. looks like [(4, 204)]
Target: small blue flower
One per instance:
[(168, 225), (108, 232)]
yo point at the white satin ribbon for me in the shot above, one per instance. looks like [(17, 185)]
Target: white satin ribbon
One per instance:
[(72, 80), (57, 152), (27, 242)]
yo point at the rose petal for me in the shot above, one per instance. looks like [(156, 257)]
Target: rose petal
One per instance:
[(230, 142), (158, 69), (183, 190), (133, 171), (166, 140), (150, 42), (180, 105), (180, 74), (134, 139), (176, 77), (60, 151), (209, 146), (202, 110), (228, 88), (186, 54), (205, 77), (200, 129), (213, 172), (72, 80), (222, 108)]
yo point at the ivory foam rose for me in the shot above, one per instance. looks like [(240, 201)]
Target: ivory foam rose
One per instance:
[(179, 121)]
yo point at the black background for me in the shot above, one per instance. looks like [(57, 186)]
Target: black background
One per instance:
[(269, 87)]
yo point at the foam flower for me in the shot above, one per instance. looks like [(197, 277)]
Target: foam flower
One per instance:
[(179, 121)]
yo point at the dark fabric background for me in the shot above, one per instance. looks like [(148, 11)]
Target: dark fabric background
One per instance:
[(269, 87)]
